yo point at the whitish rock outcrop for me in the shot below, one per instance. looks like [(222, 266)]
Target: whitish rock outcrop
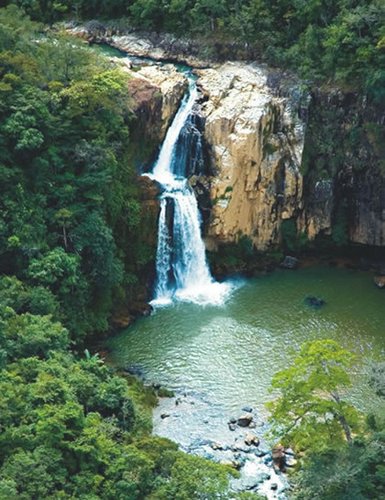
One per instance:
[(256, 140), (157, 46)]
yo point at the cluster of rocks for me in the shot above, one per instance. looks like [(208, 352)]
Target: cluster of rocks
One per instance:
[(244, 420), (283, 458), (201, 428)]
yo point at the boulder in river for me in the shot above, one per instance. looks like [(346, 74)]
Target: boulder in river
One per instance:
[(279, 457), (290, 461), (379, 281), (315, 302), (245, 420), (290, 262), (251, 439)]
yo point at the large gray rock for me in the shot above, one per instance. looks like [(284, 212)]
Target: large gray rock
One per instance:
[(245, 420)]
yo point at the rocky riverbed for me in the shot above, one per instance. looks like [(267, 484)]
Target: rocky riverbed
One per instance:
[(204, 429)]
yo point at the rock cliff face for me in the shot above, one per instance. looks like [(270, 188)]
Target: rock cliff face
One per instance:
[(256, 138), (314, 163), (170, 86), (343, 166)]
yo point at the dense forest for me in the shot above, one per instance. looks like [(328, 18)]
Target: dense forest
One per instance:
[(69, 426), (70, 249), (337, 40)]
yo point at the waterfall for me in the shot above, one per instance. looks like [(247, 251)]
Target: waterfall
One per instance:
[(181, 266)]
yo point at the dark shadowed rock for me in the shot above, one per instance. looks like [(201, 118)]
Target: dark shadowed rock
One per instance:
[(245, 420), (289, 262), (136, 370), (315, 302), (141, 308)]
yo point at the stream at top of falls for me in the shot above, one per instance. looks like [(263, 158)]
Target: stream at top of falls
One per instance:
[(182, 272)]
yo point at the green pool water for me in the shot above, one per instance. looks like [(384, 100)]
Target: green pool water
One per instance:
[(230, 353)]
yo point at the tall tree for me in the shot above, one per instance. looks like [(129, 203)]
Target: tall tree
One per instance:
[(310, 412)]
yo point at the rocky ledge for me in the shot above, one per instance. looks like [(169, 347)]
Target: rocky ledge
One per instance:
[(159, 47)]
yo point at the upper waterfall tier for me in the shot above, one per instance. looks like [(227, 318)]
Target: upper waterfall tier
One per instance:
[(163, 171)]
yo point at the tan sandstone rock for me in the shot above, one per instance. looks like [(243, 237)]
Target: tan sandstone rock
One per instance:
[(256, 141)]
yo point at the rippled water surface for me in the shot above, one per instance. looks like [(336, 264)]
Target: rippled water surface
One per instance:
[(230, 353)]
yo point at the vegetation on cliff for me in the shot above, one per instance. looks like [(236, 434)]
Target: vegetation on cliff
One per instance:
[(70, 208)]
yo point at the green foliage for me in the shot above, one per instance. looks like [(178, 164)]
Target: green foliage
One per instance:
[(28, 335), (310, 413), (355, 471), (70, 207), (69, 426), (194, 477), (350, 471), (322, 39)]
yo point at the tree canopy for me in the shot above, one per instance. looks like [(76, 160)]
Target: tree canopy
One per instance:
[(338, 40)]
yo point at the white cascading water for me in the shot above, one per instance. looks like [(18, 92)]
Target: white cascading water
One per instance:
[(181, 266)]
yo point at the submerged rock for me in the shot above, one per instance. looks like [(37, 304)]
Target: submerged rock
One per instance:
[(289, 262), (136, 370), (315, 302)]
